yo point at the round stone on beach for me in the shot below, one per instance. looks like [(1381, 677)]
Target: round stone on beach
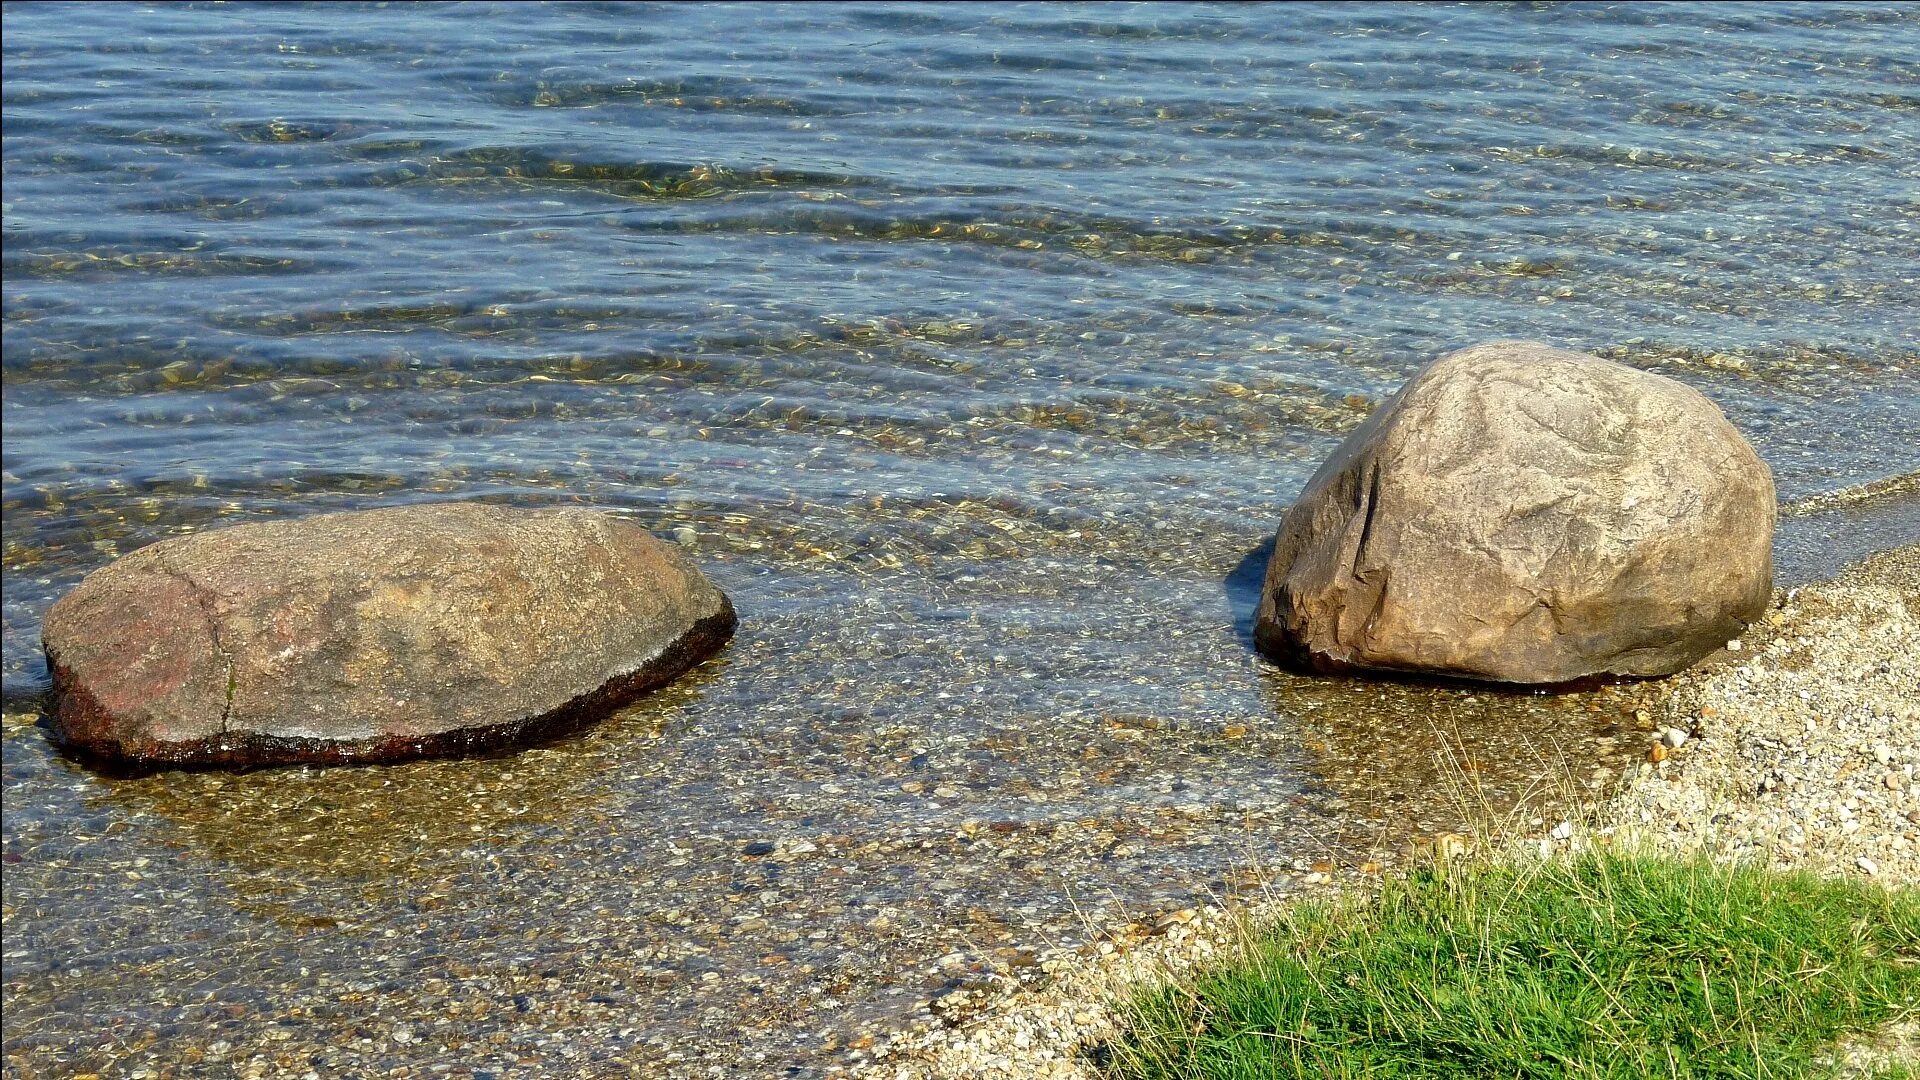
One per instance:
[(1520, 513), (369, 636)]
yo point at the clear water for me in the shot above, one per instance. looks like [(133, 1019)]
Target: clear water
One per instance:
[(972, 349)]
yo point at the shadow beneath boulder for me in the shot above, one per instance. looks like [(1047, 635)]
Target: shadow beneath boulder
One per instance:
[(386, 825), (1243, 586), (30, 693)]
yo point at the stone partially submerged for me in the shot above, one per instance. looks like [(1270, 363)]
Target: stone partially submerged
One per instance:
[(377, 635), (1520, 513)]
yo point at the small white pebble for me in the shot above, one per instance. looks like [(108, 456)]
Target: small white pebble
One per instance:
[(1673, 737), (1867, 866), (1734, 645)]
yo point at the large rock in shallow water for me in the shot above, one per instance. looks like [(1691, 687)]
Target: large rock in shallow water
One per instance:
[(372, 636), (1520, 513)]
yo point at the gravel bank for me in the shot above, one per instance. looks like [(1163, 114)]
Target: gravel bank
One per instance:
[(1808, 754), (1800, 745)]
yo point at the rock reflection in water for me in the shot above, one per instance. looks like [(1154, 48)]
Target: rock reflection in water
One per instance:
[(1412, 759)]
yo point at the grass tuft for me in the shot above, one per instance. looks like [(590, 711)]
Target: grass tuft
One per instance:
[(1601, 965)]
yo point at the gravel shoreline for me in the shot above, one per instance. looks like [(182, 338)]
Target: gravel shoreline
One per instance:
[(1799, 745)]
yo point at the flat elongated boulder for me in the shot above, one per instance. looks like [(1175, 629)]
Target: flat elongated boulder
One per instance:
[(1520, 513), (376, 635)]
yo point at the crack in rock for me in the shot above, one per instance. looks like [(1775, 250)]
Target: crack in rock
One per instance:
[(205, 598)]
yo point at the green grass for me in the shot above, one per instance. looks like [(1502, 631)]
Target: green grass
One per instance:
[(1599, 965)]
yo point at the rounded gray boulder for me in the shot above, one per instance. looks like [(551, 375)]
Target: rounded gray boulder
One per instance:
[(376, 635), (1520, 513)]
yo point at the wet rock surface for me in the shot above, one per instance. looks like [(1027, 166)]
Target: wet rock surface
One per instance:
[(377, 635), (1522, 513)]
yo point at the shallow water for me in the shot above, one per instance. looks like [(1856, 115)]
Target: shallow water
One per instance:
[(972, 349)]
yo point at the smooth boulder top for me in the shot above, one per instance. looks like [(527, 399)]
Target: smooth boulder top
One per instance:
[(375, 635), (1521, 513)]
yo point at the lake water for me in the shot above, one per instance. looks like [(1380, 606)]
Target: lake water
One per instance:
[(973, 349)]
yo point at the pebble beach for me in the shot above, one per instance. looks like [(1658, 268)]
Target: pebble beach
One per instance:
[(1798, 747)]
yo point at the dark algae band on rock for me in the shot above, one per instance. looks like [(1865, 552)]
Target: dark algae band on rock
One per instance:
[(378, 635), (1520, 513)]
